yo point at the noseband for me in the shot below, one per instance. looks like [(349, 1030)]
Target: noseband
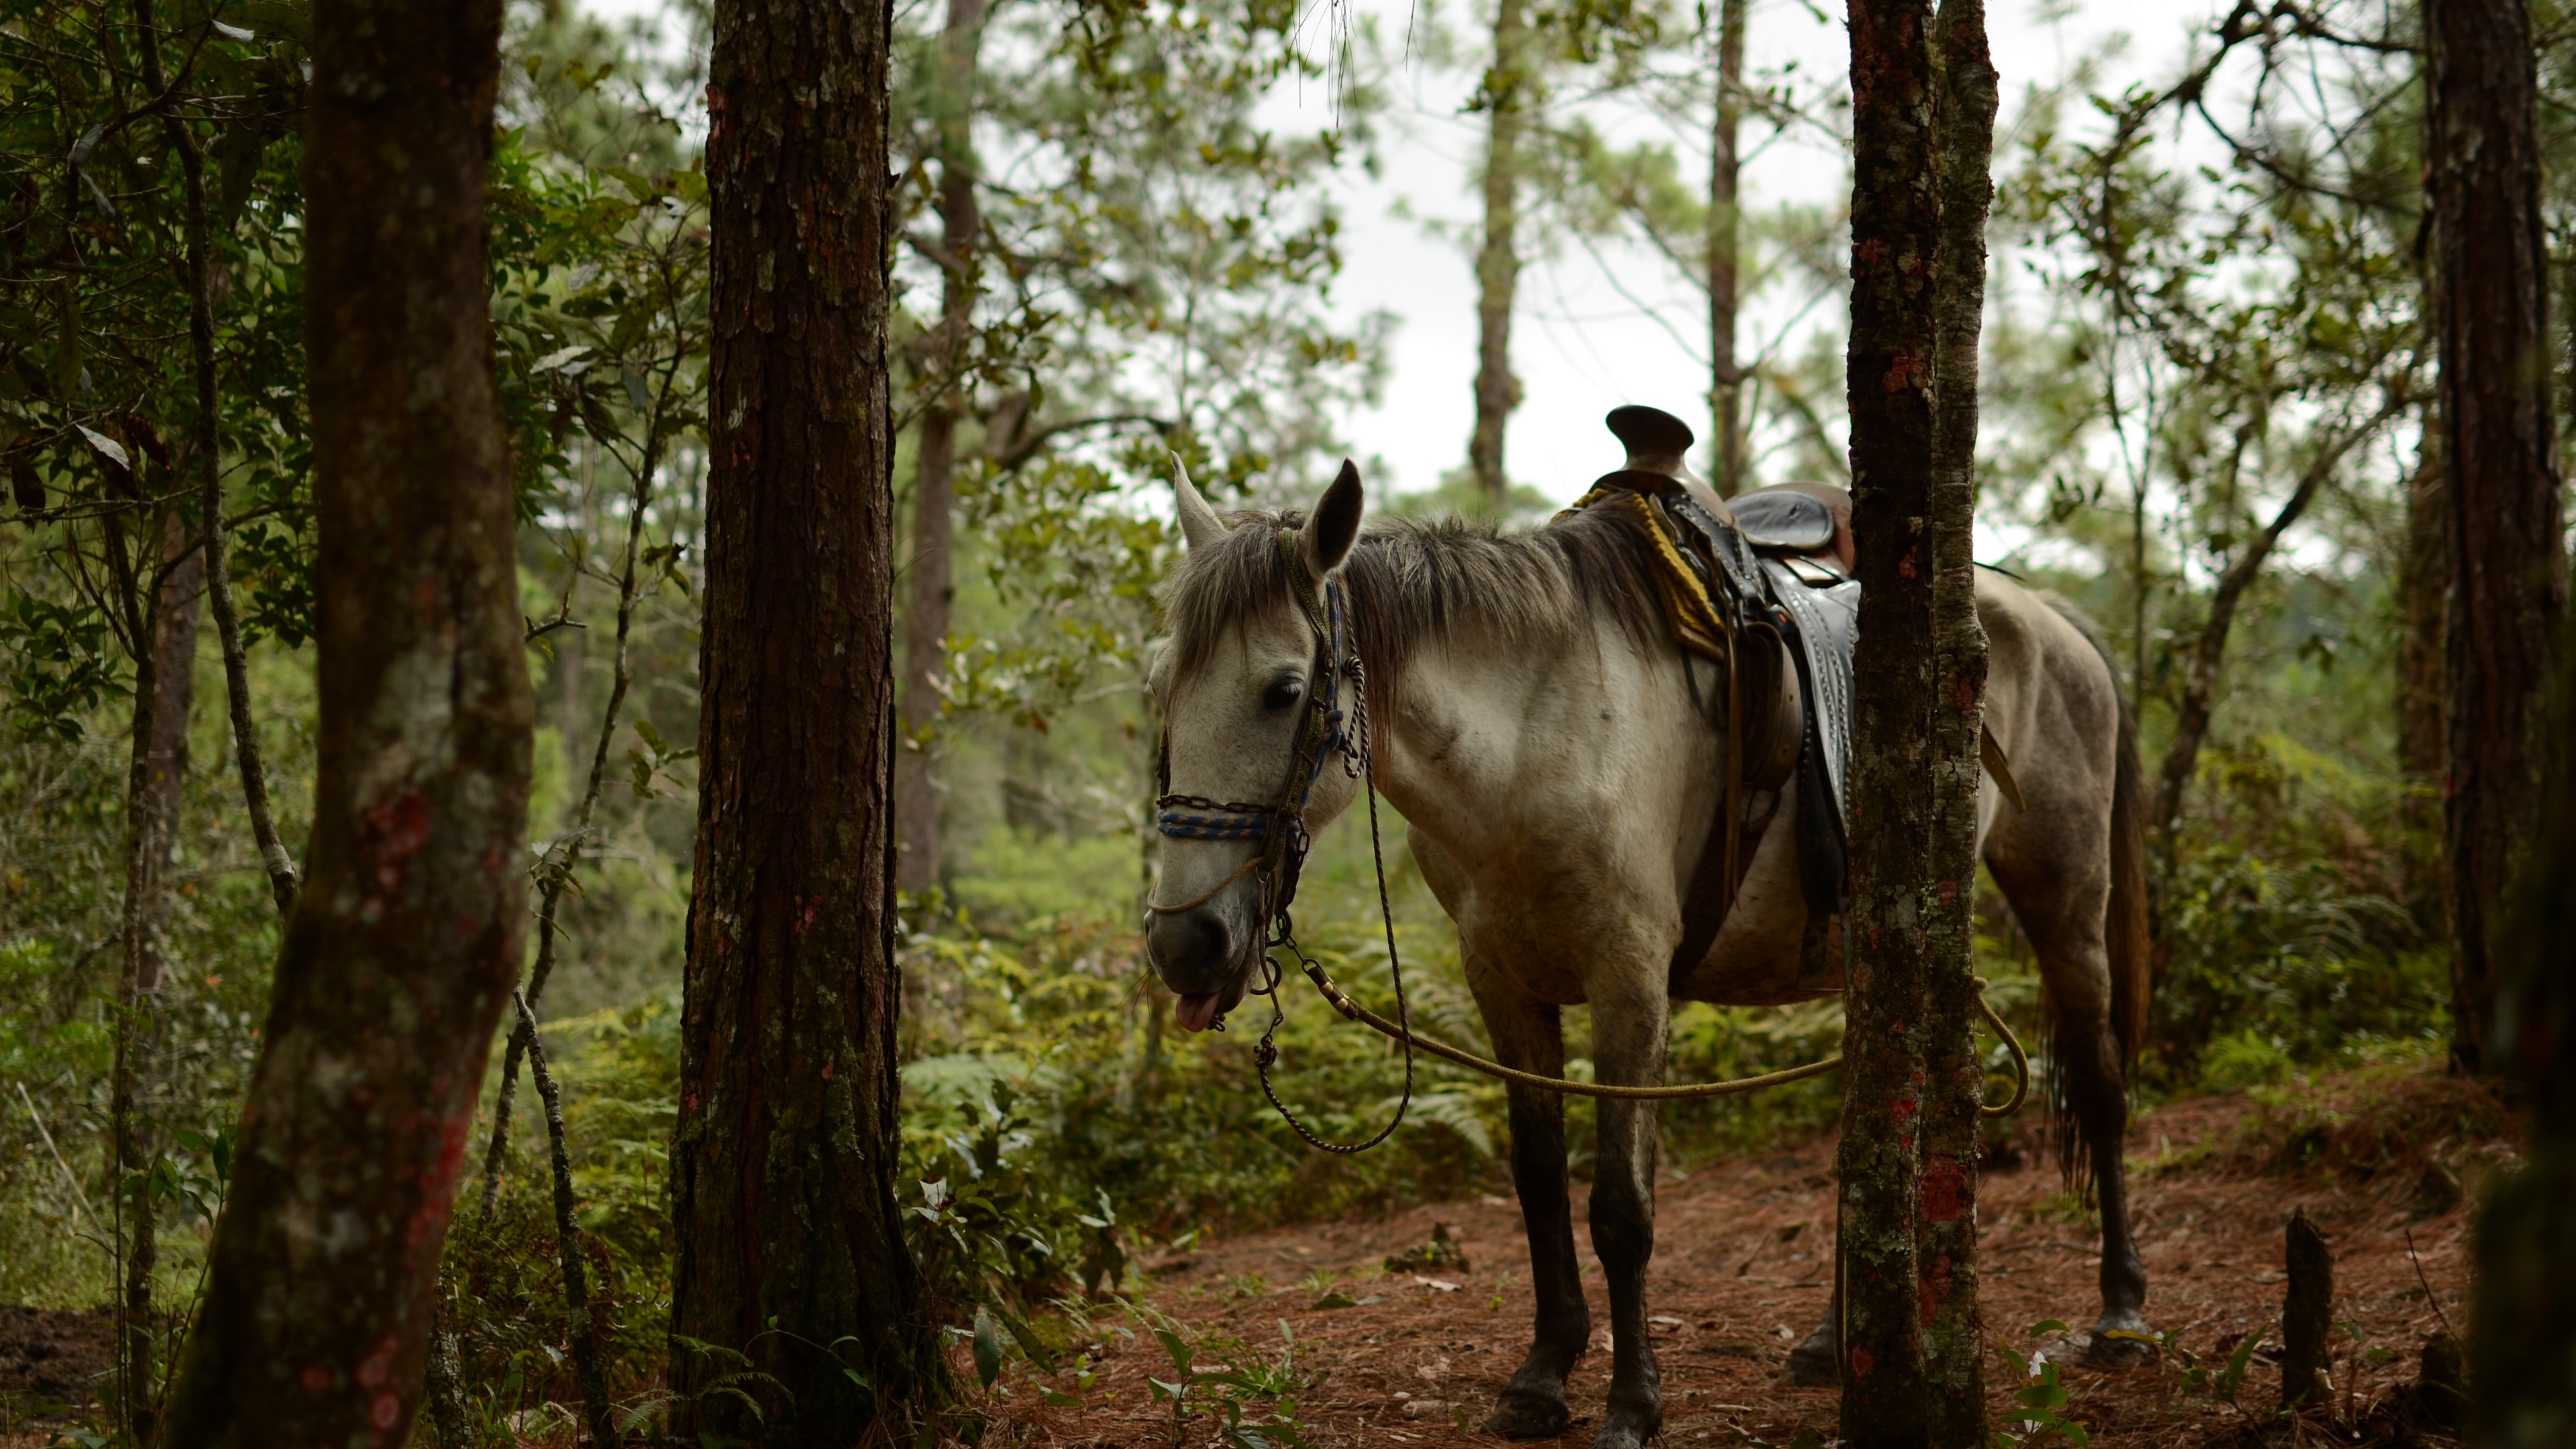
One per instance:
[(1322, 733)]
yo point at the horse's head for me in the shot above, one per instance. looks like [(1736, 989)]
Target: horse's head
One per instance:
[(1238, 686)]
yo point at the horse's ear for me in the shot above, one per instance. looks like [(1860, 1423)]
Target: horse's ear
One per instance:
[(1200, 527), (1335, 524)]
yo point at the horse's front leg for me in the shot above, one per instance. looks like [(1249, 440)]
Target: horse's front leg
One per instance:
[(1528, 1035), (1628, 1047)]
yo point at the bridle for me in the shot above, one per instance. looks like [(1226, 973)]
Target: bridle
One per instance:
[(1326, 730)]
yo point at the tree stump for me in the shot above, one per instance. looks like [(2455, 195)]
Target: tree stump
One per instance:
[(2307, 1314)]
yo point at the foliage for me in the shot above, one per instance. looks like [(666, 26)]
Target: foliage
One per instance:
[(1156, 280)]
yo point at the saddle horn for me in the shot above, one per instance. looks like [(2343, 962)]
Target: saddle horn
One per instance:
[(1656, 441)]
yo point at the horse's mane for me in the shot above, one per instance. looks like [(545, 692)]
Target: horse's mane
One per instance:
[(1408, 583)]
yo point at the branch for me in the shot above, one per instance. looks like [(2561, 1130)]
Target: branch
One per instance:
[(1017, 456), (2191, 724)]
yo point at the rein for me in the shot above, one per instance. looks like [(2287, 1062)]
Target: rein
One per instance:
[(1281, 828)]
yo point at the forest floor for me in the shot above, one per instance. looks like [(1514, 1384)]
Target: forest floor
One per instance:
[(2385, 1160), (1742, 1266)]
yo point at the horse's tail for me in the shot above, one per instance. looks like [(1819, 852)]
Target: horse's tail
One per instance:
[(2127, 930)]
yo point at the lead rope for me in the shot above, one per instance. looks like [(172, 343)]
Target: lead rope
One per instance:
[(1266, 1054)]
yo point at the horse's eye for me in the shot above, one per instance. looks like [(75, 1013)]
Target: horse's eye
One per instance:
[(1282, 694)]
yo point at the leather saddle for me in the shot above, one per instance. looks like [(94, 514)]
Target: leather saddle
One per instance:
[(1780, 559)]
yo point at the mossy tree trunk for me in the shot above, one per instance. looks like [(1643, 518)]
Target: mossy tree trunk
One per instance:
[(1896, 236), (401, 950), (1954, 1073), (789, 1247)]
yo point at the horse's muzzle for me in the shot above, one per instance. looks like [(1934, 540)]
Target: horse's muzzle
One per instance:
[(1198, 955)]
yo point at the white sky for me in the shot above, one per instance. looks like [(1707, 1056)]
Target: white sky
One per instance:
[(1580, 346)]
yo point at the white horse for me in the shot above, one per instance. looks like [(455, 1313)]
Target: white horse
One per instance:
[(1531, 718)]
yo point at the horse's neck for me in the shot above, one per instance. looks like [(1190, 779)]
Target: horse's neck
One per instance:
[(1477, 714)]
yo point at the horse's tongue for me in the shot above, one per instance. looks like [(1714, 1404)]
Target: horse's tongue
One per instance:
[(1196, 1010)]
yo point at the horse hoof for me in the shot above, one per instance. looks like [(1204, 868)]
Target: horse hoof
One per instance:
[(1628, 1431), (2103, 1351), (1521, 1414), (1812, 1364)]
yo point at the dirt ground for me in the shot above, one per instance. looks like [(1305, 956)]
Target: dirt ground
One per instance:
[(1741, 1269), (49, 1358)]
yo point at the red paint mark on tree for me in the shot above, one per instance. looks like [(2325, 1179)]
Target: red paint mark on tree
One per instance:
[(1905, 566), (379, 1366), (689, 1103), (827, 1071), (1949, 893), (806, 908), (386, 1409), (1861, 1363), (394, 832), (1945, 1192), (1905, 370)]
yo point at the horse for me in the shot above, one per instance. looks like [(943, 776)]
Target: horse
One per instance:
[(1530, 714)]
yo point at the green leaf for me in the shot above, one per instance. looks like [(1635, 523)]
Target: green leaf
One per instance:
[(1335, 1299), (988, 1349), (1027, 1338)]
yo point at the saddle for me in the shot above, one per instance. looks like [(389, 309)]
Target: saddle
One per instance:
[(1747, 583)]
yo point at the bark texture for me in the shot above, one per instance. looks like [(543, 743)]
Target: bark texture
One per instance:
[(925, 638), (783, 1167), (1954, 1071), (2525, 1334), (164, 673), (2507, 587), (1725, 255), (1896, 232), (2423, 579), (1498, 261), (401, 950)]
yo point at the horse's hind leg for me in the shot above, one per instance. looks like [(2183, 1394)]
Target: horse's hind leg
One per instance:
[(2062, 906), (1529, 1035)]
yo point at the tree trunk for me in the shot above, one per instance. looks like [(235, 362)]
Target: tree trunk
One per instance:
[(1725, 255), (789, 1248), (2423, 578), (1896, 223), (2200, 682), (1954, 1072), (1508, 88), (163, 675), (2525, 1334), (925, 640), (206, 453), (2505, 535), (402, 949)]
